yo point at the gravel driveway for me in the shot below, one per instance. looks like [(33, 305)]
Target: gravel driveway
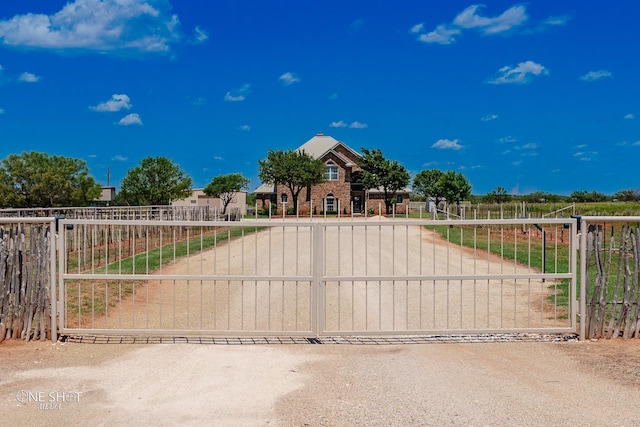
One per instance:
[(522, 383)]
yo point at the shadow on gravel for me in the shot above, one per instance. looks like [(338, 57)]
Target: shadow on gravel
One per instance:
[(400, 340)]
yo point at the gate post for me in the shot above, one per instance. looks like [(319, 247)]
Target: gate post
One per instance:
[(317, 288), (583, 278), (53, 304)]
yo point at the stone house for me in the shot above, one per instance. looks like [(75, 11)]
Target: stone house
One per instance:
[(199, 199), (342, 190)]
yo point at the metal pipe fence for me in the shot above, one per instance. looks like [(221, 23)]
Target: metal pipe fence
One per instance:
[(309, 277)]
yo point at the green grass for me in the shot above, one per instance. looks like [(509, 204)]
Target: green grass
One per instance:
[(93, 297), (526, 251)]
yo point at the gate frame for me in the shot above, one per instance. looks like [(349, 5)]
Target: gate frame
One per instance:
[(318, 277)]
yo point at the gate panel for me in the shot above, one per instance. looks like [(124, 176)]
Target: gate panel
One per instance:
[(309, 278), (205, 278)]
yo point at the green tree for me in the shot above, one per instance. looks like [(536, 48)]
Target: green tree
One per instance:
[(541, 197), (225, 187), (455, 187), (499, 195), (628, 195), (34, 179), (292, 168), (584, 196), (379, 172), (427, 184), (156, 181)]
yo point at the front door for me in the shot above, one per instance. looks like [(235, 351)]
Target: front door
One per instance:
[(357, 200)]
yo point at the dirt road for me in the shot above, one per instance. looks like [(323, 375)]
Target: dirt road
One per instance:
[(321, 385)]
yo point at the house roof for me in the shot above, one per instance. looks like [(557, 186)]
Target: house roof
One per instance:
[(321, 144), (265, 188)]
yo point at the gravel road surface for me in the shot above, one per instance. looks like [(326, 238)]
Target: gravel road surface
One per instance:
[(522, 383)]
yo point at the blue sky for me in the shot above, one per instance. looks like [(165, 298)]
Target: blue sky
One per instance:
[(539, 96)]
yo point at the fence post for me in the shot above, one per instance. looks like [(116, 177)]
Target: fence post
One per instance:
[(317, 290), (583, 278), (53, 306)]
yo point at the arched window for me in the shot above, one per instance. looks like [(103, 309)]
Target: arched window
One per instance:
[(284, 198), (331, 171), (330, 203)]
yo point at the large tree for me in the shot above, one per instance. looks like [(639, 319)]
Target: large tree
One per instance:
[(427, 184), (34, 179), (225, 187), (156, 181), (499, 195), (455, 187), (387, 175), (292, 168)]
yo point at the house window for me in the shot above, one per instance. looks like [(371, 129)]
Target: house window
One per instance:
[(330, 203), (331, 172), (284, 198), (399, 198)]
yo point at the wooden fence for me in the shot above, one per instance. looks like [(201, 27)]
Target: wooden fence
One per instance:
[(25, 273), (613, 282)]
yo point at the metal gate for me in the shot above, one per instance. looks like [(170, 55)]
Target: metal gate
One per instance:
[(317, 277)]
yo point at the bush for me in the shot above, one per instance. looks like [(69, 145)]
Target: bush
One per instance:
[(291, 211)]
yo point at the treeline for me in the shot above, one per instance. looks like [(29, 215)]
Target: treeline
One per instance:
[(499, 195)]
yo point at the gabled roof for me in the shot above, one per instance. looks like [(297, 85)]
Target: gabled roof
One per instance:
[(265, 188), (321, 144)]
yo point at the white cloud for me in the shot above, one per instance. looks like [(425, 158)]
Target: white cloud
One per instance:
[(556, 21), (507, 139), (119, 158), (358, 125), (130, 119), (489, 117), (592, 76), (217, 158), (447, 144), (96, 25), (469, 19), (418, 28), (585, 156), (239, 94), (199, 35), (333, 96), (1, 110), (520, 74), (510, 18), (629, 116), (28, 78), (441, 35), (245, 128), (636, 143), (288, 78), (116, 103), (530, 146), (340, 124)]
